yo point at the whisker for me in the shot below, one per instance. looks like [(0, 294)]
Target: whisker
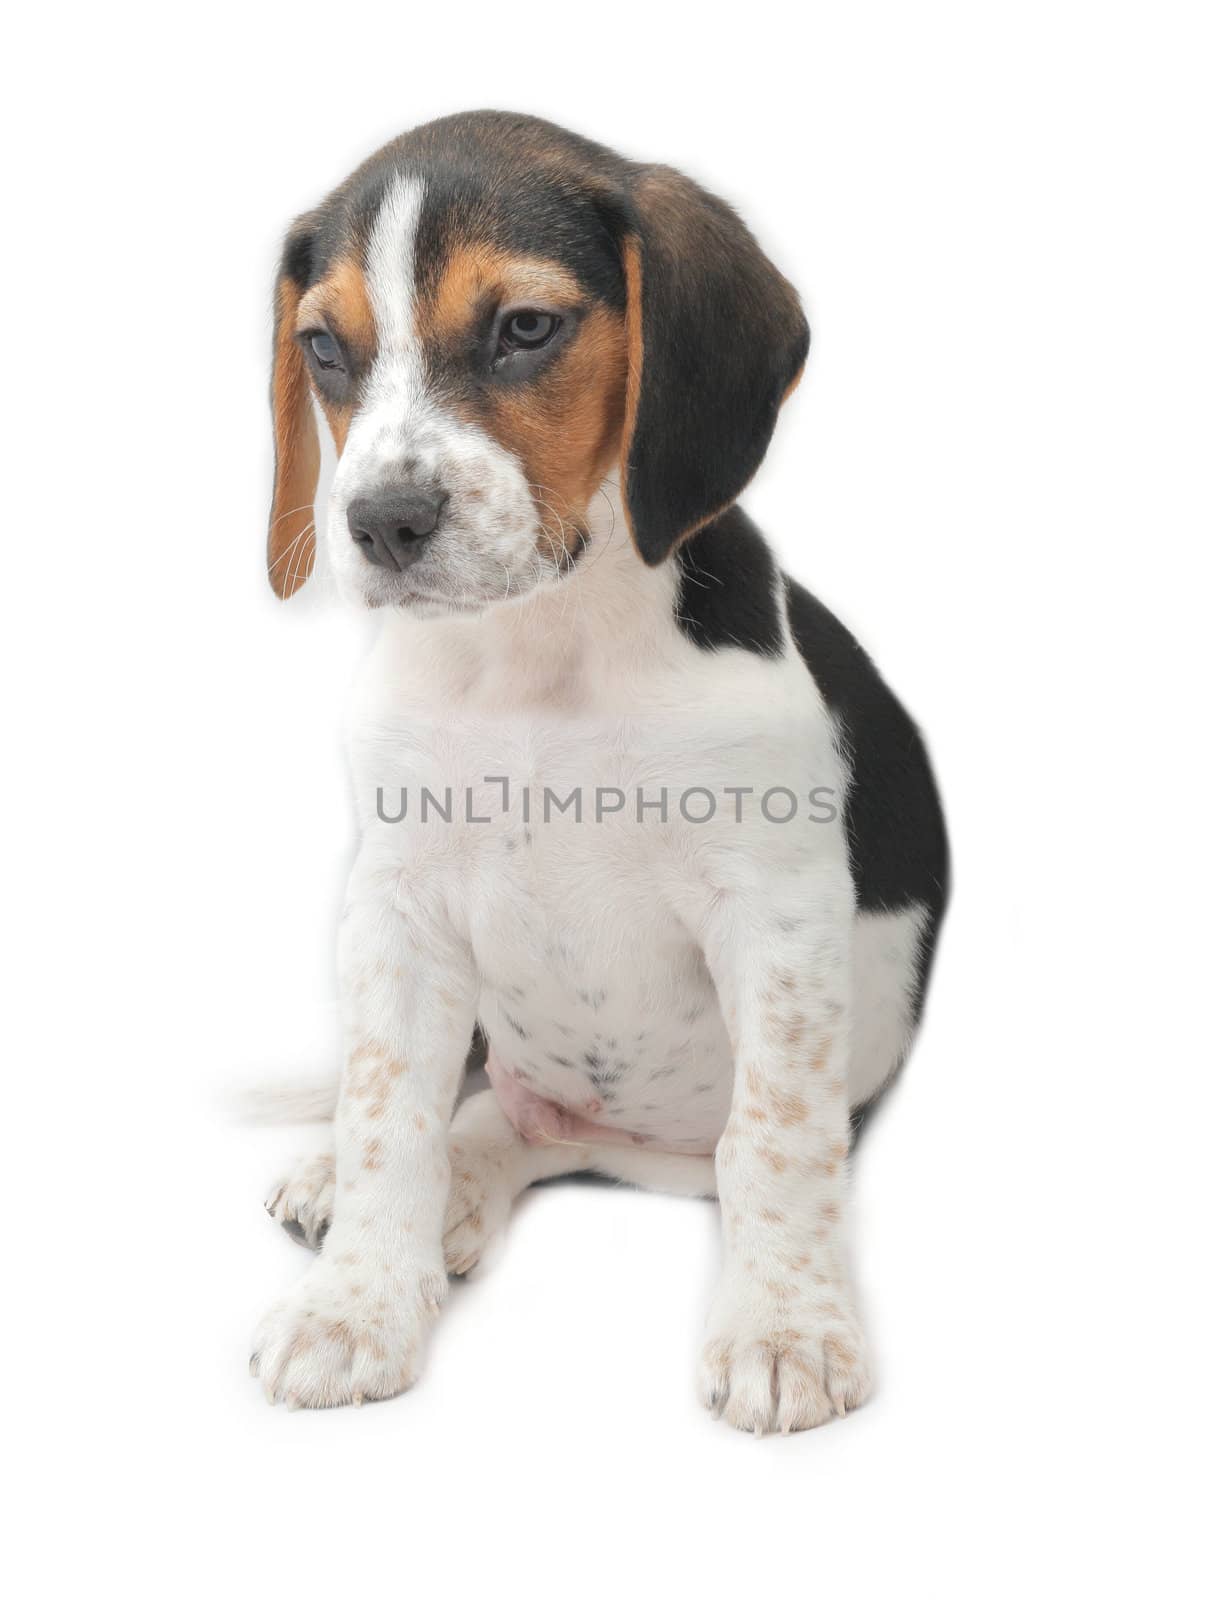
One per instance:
[(289, 548), (292, 513), (304, 550)]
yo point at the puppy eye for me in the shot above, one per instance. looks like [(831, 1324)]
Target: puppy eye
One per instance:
[(325, 350), (528, 330)]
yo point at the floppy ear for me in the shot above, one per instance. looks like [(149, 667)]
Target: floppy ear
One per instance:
[(716, 340), (291, 529)]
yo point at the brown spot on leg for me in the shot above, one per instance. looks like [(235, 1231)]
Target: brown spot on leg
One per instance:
[(818, 1060), (787, 1108)]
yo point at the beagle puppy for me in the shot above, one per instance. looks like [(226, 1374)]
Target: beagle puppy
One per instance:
[(634, 808)]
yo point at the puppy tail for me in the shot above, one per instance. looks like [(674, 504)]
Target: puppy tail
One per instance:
[(275, 1104)]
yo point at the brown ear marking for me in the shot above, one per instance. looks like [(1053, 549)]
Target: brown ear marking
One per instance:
[(634, 326), (291, 529), (717, 339)]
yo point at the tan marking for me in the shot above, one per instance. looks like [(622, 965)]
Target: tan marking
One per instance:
[(291, 542), (565, 426), (779, 1342), (788, 1030), (374, 1085), (634, 323), (838, 1354), (481, 271), (338, 420), (787, 1108), (773, 1158), (340, 302), (633, 271), (780, 1291)]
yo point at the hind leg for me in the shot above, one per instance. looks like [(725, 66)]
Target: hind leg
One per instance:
[(302, 1201), (491, 1167), (887, 948)]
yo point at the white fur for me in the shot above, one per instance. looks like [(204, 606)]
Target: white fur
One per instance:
[(680, 996)]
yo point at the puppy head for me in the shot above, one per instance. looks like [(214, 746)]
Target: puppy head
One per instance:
[(493, 315)]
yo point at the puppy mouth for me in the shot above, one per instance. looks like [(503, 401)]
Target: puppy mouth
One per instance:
[(409, 597), (403, 594), (418, 590), (419, 593)]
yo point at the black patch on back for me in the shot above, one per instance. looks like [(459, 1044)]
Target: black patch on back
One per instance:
[(895, 831), (728, 587)]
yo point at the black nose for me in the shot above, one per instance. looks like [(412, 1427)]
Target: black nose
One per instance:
[(392, 527)]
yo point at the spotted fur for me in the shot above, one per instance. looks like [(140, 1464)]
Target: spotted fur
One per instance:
[(685, 1000)]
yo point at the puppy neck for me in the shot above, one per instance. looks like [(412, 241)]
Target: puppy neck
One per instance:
[(570, 645)]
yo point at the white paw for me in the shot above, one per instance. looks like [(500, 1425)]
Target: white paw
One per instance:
[(773, 1363), (479, 1198), (304, 1201), (349, 1331)]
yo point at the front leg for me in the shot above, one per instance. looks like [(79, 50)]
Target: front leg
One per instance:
[(355, 1326), (784, 1348)]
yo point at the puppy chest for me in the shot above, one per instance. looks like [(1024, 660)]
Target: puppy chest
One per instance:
[(603, 1007)]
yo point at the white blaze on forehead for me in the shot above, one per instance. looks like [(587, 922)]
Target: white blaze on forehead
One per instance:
[(389, 271), (401, 432)]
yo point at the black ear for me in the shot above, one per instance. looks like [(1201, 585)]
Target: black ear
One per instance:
[(291, 524), (716, 340)]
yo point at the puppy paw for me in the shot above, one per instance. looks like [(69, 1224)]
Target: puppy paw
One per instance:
[(348, 1332), (479, 1199), (304, 1201), (772, 1364)]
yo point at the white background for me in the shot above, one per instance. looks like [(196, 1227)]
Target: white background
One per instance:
[(992, 471)]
